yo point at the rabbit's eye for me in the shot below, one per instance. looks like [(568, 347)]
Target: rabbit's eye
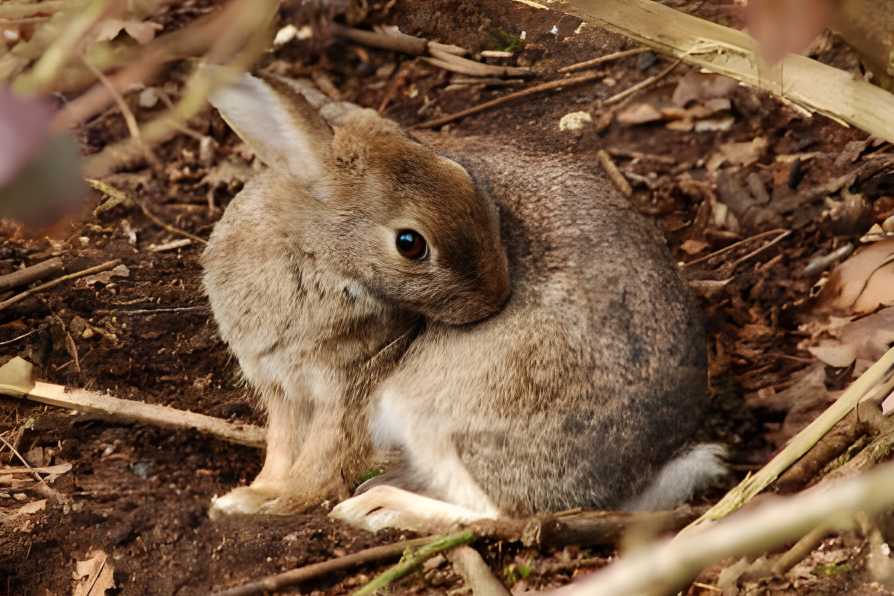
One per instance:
[(411, 245)]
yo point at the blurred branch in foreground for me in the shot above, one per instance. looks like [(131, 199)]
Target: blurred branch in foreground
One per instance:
[(91, 53)]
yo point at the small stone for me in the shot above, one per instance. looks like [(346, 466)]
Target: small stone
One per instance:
[(575, 121)]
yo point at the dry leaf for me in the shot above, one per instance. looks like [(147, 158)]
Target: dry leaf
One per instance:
[(640, 113), (864, 340), (738, 154), (693, 247), (93, 576), (105, 277), (861, 284), (141, 31), (32, 507), (698, 87)]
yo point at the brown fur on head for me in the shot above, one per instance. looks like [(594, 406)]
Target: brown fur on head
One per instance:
[(372, 184)]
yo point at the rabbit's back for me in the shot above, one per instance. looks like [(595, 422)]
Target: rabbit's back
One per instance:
[(593, 376)]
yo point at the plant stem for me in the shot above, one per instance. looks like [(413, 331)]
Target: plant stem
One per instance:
[(413, 561)]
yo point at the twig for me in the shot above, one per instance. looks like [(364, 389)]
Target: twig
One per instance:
[(733, 246), (602, 60), (59, 280), (666, 566), (16, 381), (799, 445), (410, 563), (584, 528), (46, 490), (129, 119), (18, 338), (293, 577), (151, 311), (55, 57), (476, 573), (548, 86), (614, 174), (758, 251), (120, 195), (398, 42), (618, 97), (458, 64), (30, 274), (17, 11)]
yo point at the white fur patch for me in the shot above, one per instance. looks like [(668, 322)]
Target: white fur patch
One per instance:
[(681, 478), (390, 507)]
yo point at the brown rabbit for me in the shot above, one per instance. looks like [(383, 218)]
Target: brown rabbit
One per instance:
[(363, 282)]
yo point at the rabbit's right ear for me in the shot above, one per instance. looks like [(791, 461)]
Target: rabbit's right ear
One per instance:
[(278, 123)]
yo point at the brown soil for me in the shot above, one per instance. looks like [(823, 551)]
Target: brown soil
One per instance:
[(141, 493)]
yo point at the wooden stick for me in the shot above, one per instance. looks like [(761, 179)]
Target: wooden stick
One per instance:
[(398, 42), (30, 274), (548, 86), (120, 195), (477, 575), (799, 445), (602, 60), (621, 96), (411, 563), (798, 79), (293, 577), (16, 381), (666, 566), (614, 174), (52, 284), (584, 528)]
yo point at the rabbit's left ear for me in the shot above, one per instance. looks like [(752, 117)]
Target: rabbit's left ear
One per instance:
[(278, 123)]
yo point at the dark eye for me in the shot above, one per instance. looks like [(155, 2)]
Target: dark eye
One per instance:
[(411, 245)]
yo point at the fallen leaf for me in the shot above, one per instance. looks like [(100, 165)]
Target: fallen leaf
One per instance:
[(641, 113), (693, 247), (738, 154), (32, 507), (105, 277), (861, 284), (141, 31), (698, 87), (93, 576), (862, 341)]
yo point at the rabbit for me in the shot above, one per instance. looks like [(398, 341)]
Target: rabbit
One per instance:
[(499, 317)]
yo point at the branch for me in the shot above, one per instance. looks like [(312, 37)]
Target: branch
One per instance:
[(35, 272), (16, 381), (800, 444), (666, 566), (413, 562), (293, 577), (52, 284)]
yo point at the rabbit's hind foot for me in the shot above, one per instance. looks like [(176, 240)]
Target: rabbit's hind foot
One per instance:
[(387, 506)]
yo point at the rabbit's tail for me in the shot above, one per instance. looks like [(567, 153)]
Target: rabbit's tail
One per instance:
[(682, 477)]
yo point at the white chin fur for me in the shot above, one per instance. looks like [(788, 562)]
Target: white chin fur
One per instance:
[(681, 478)]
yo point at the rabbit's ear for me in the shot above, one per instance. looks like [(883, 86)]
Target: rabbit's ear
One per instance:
[(278, 123)]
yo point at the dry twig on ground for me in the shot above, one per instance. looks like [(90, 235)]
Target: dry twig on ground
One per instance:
[(549, 86), (16, 381), (52, 284), (294, 577), (670, 564), (30, 274)]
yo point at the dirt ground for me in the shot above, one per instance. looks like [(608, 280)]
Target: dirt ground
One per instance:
[(141, 493)]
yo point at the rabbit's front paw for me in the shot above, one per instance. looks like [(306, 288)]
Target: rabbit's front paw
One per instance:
[(390, 507), (249, 500)]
